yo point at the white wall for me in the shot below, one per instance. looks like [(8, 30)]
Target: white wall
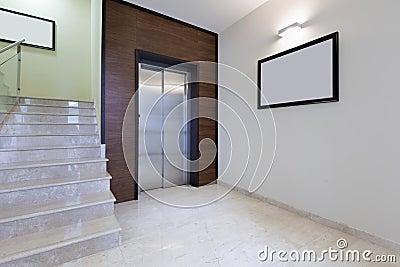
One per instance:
[(337, 160), (66, 72)]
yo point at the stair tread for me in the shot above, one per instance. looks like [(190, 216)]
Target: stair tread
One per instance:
[(49, 182), (46, 163), (54, 206), (28, 245), (29, 148), (47, 114), (54, 99), (48, 106), (51, 134), (47, 123)]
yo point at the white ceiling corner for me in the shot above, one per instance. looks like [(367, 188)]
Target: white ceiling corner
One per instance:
[(213, 15)]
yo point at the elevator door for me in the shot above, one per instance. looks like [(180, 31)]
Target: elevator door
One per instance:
[(162, 95)]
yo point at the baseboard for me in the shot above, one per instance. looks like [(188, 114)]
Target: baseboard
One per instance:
[(391, 245), (103, 150)]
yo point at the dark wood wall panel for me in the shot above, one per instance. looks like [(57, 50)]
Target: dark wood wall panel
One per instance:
[(158, 35), (126, 28), (120, 28)]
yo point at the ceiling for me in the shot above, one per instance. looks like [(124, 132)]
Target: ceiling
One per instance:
[(213, 15)]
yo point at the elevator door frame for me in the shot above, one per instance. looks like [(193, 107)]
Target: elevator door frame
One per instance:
[(161, 61)]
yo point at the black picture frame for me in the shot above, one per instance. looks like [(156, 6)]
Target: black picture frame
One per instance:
[(52, 32), (334, 37)]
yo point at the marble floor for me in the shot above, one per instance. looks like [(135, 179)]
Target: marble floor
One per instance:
[(229, 232)]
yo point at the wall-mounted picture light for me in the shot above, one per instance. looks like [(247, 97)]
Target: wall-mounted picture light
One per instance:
[(289, 29)]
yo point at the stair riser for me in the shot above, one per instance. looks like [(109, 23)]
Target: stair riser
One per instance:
[(48, 129), (59, 219), (61, 171), (68, 253), (48, 154), (55, 110), (32, 141), (5, 99), (39, 195), (4, 115), (52, 102), (27, 118), (4, 108)]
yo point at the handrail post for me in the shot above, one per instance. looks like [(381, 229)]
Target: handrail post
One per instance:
[(8, 47), (19, 72)]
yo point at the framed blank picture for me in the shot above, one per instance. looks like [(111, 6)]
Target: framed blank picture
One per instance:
[(306, 74), (37, 32)]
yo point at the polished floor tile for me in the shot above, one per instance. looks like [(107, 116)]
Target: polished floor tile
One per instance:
[(229, 232)]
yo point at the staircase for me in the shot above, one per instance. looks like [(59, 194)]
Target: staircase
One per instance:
[(55, 198)]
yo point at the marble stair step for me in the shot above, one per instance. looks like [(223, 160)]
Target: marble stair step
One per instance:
[(55, 198), (28, 219), (46, 123), (47, 109), (27, 117), (55, 102), (76, 105), (25, 171), (48, 129), (34, 140), (60, 244), (52, 190), (25, 154), (51, 182)]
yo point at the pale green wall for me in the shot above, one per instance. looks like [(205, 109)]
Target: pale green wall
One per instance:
[(66, 72), (96, 34)]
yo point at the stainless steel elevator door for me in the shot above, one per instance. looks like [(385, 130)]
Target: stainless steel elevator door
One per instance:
[(162, 94), (150, 125), (174, 115)]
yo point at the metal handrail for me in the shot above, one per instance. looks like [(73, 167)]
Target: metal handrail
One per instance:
[(4, 49), (19, 60)]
